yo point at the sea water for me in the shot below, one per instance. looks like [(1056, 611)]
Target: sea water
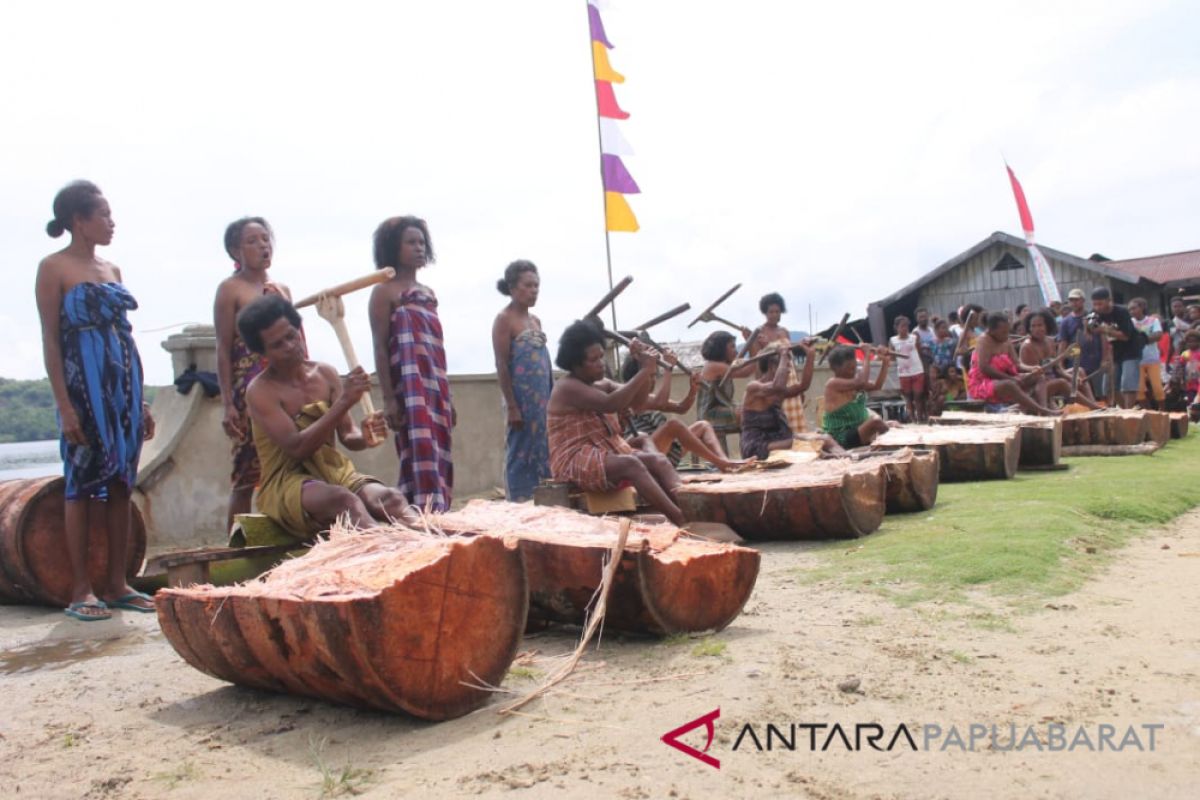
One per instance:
[(29, 460)]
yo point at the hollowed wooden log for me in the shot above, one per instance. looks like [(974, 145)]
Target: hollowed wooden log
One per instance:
[(391, 620), (1179, 424), (1158, 426), (821, 500), (965, 452), (33, 556), (912, 479), (666, 582), (1041, 437), (1109, 426)]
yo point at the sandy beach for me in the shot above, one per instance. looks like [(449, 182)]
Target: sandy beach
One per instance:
[(108, 710)]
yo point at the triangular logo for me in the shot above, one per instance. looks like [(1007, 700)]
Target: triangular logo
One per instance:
[(672, 738)]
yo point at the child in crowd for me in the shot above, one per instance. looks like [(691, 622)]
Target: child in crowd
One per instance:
[(912, 371)]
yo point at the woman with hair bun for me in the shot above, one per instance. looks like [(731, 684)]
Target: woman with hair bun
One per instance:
[(523, 369), (410, 360), (95, 373)]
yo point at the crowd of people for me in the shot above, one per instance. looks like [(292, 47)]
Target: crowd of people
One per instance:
[(1108, 354), (283, 411)]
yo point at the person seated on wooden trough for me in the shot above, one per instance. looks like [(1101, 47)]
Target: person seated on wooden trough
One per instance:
[(715, 403), (847, 418), (647, 425), (765, 425), (1041, 349), (296, 406), (948, 387), (997, 378), (586, 447)]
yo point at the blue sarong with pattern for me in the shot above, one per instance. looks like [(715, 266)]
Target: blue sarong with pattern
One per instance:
[(527, 451), (103, 374)]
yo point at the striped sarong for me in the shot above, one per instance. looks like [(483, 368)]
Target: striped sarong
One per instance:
[(418, 373)]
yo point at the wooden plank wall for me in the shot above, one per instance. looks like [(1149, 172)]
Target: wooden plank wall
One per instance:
[(975, 281)]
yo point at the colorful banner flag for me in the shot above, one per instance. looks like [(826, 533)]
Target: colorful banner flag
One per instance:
[(615, 178), (617, 213), (1041, 268), (611, 140)]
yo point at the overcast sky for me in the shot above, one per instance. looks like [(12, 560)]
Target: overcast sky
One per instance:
[(832, 152)]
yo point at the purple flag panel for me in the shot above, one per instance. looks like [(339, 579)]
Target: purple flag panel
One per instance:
[(597, 27), (616, 177)]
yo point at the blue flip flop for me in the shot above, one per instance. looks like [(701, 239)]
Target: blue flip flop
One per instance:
[(126, 603), (75, 610)]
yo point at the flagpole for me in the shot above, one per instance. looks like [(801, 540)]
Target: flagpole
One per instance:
[(603, 197)]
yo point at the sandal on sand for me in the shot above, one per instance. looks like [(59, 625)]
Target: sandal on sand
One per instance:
[(127, 603), (76, 610)]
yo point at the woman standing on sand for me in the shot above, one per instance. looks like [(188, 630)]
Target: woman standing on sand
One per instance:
[(410, 359), (250, 242), (524, 372), (95, 373)]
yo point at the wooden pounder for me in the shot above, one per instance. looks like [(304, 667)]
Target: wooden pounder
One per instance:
[(331, 309), (707, 314), (841, 326)]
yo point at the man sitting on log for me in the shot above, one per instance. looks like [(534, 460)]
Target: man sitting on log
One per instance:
[(586, 447), (847, 418), (996, 376), (296, 406), (765, 426)]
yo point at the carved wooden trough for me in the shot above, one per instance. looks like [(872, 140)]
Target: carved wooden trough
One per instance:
[(965, 452), (828, 499), (1041, 437), (387, 619), (666, 582)]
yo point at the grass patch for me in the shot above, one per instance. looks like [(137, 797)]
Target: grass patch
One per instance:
[(709, 647), (173, 777), (1035, 536), (524, 673), (348, 780)]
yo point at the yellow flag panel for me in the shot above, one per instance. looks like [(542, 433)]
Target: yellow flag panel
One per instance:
[(618, 215), (604, 70)]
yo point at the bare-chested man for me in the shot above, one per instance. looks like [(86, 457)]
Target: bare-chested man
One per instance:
[(296, 407)]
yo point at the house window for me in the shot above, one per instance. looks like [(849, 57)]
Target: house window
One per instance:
[(1006, 263)]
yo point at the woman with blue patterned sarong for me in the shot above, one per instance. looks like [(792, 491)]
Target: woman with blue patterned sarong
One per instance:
[(96, 376), (524, 373)]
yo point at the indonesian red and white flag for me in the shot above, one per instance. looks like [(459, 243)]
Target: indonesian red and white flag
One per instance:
[(1041, 268)]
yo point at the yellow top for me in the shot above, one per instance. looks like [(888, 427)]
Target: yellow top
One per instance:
[(283, 477)]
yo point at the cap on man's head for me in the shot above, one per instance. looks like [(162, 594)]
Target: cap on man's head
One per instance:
[(1075, 294)]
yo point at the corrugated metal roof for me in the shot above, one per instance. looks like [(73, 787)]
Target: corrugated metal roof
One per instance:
[(1166, 268), (999, 237)]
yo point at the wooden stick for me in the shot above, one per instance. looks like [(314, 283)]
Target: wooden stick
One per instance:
[(674, 312), (836, 332), (608, 298), (378, 276), (707, 316), (625, 340)]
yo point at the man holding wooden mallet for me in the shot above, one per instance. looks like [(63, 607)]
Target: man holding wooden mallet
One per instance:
[(296, 406)]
